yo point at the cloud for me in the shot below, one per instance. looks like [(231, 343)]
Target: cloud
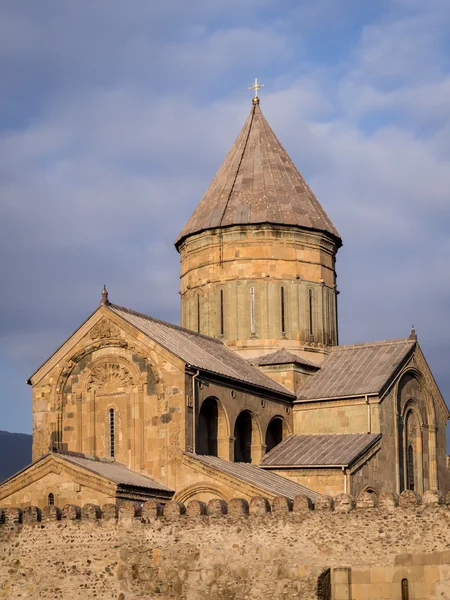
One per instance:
[(116, 117)]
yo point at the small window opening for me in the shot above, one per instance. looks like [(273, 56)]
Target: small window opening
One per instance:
[(222, 326), (405, 589), (310, 312), (252, 310), (112, 435), (411, 482), (198, 313), (274, 434), (51, 499), (243, 438), (283, 318)]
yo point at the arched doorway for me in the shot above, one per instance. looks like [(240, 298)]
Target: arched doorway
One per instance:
[(208, 428), (243, 438), (274, 433)]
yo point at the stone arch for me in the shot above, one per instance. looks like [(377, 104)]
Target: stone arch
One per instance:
[(247, 438), (323, 591), (277, 430), (204, 491), (213, 429), (412, 397)]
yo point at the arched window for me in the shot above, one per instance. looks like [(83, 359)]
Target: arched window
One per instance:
[(252, 310), (330, 317), (410, 469), (274, 434), (310, 312), (243, 438), (207, 430), (51, 499), (282, 311), (405, 589), (198, 313), (112, 433), (222, 322)]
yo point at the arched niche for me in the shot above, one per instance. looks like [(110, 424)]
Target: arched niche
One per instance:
[(212, 435), (247, 438), (276, 432)]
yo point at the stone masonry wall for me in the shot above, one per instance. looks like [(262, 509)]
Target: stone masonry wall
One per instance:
[(229, 552)]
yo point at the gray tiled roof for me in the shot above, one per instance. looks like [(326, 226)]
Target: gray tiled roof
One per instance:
[(356, 369), (283, 357), (114, 471), (268, 482), (200, 351), (258, 183), (320, 450)]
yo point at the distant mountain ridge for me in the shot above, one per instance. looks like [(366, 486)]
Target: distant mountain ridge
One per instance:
[(15, 452)]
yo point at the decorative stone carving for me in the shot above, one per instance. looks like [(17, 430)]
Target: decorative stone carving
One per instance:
[(109, 376), (104, 330)]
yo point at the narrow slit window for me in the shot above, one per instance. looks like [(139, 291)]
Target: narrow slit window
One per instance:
[(51, 499), (198, 313), (411, 482), (112, 433), (222, 327), (310, 312), (330, 317), (283, 311), (405, 589), (252, 310)]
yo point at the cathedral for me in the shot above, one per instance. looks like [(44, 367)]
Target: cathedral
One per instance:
[(252, 395)]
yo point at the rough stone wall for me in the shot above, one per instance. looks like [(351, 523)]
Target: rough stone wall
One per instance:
[(264, 258), (248, 553)]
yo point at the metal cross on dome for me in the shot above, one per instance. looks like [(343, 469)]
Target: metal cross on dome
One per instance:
[(256, 87)]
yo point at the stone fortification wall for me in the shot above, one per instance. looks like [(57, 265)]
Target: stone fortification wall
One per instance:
[(231, 551)]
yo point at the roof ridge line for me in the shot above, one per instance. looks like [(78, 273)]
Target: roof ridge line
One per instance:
[(369, 344), (172, 325)]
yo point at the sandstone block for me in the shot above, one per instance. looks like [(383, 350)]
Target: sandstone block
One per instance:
[(344, 503), (433, 497), (151, 510), (91, 512), (31, 514), (217, 507), (302, 504), (110, 511), (51, 513), (280, 504), (173, 509), (409, 498), (324, 503), (367, 500), (259, 505), (71, 512), (388, 500), (238, 507), (196, 508)]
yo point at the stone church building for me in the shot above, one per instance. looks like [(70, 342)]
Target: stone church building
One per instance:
[(252, 394)]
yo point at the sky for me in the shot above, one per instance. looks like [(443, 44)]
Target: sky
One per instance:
[(115, 116)]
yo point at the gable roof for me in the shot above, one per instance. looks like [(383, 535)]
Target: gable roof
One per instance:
[(199, 351), (113, 471), (356, 369), (265, 481), (113, 475), (320, 450), (258, 183), (282, 357)]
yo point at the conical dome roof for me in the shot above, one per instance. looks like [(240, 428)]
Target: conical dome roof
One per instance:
[(258, 183)]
